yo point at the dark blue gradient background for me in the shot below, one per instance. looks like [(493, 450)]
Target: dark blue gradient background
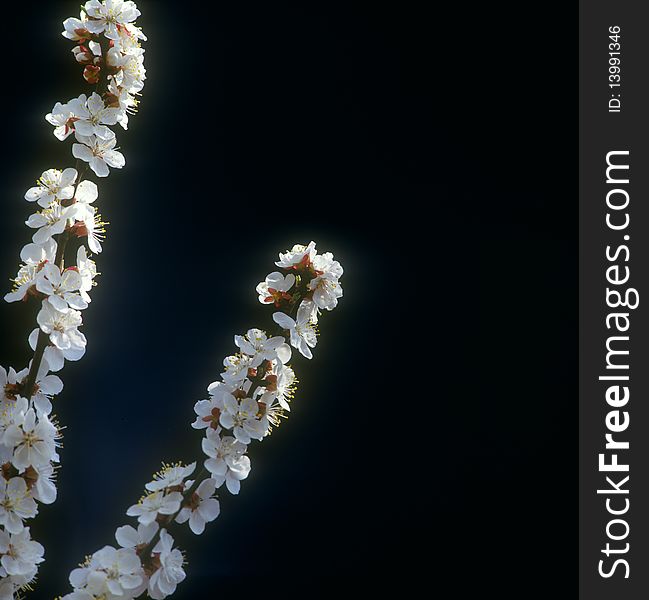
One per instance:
[(412, 145)]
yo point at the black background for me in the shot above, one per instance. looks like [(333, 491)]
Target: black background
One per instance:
[(428, 151)]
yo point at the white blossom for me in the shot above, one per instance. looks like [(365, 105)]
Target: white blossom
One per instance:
[(83, 55), (243, 418), (298, 255), (280, 386), (208, 413), (98, 153), (260, 347), (88, 271), (12, 414), (105, 17), (170, 476), (109, 572), (79, 595), (153, 504), (34, 257), (275, 288), (34, 441), (226, 461), (131, 74), (20, 554), (129, 537), (170, 573), (60, 326), (302, 332), (88, 224), (16, 504), (45, 387), (53, 185), (325, 286), (63, 120), (85, 194), (9, 381), (236, 369), (76, 29), (49, 222), (44, 490), (129, 38), (91, 116), (9, 586), (125, 99), (201, 507), (62, 289), (312, 309), (55, 356)]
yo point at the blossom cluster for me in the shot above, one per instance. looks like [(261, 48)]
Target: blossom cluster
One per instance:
[(63, 292), (29, 439), (251, 396), (108, 42), (108, 45)]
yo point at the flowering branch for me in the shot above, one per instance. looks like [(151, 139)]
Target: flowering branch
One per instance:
[(250, 399), (108, 46), (43, 338)]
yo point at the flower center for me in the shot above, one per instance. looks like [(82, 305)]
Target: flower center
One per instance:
[(8, 504), (30, 438)]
